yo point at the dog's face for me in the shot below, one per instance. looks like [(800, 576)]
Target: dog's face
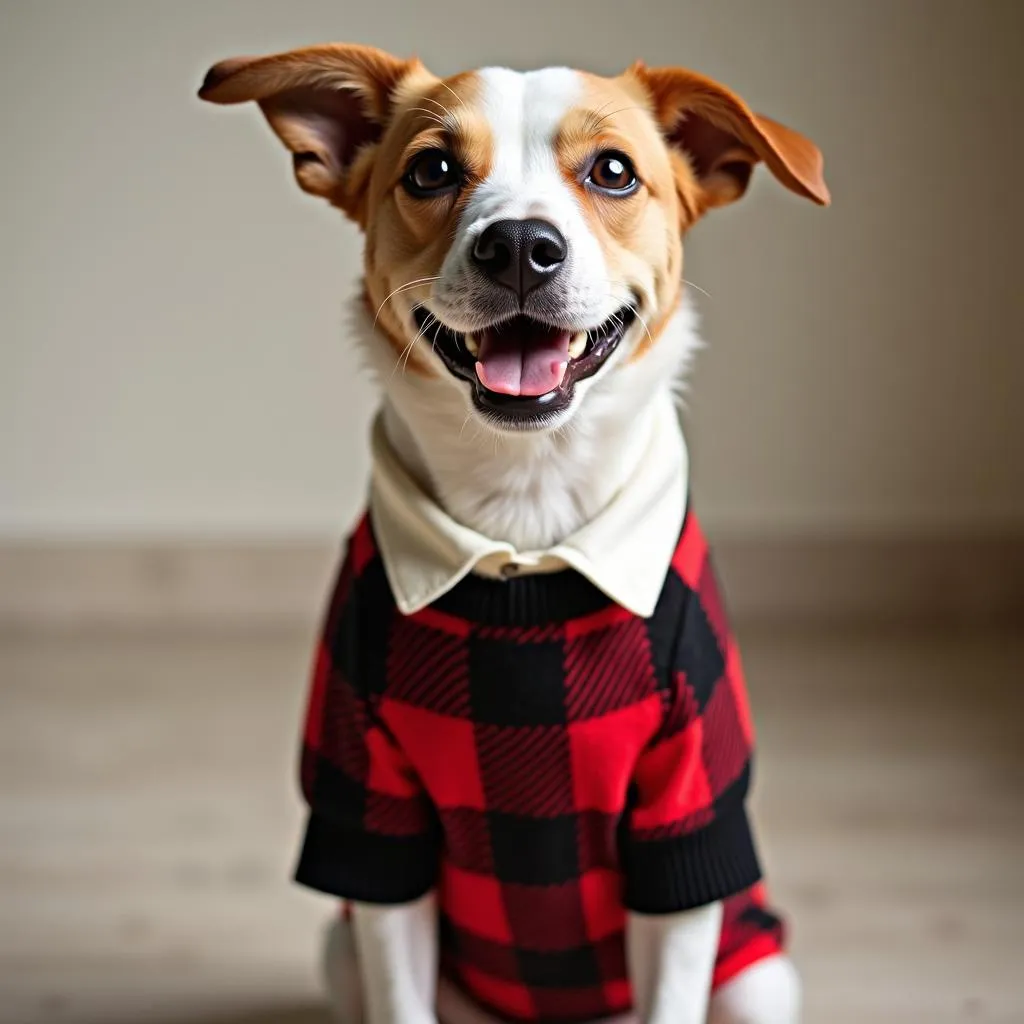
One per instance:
[(523, 230)]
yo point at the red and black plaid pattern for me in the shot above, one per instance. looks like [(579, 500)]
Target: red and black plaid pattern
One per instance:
[(546, 760), (750, 932)]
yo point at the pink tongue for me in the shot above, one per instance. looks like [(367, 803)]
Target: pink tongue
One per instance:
[(520, 358)]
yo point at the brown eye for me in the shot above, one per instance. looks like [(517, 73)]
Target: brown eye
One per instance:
[(613, 172), (432, 173)]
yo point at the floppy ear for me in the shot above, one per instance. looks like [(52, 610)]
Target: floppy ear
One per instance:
[(724, 139), (326, 103)]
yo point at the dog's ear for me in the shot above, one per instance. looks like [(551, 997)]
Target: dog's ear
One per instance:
[(723, 139), (328, 104)]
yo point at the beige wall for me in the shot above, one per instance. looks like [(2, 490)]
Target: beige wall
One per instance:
[(171, 352)]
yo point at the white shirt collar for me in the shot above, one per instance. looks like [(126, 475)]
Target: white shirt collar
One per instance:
[(625, 551)]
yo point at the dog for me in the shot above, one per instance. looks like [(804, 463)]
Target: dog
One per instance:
[(528, 745)]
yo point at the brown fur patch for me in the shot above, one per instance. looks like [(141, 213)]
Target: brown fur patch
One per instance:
[(408, 238), (640, 234)]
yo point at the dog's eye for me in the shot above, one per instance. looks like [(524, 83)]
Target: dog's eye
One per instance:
[(613, 172), (432, 173)]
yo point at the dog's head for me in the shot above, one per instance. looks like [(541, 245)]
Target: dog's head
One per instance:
[(523, 230)]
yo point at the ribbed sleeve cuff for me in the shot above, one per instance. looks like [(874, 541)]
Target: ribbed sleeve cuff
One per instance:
[(367, 868), (666, 876)]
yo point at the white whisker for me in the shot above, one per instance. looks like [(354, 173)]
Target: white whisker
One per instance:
[(430, 99), (458, 98), (402, 288), (407, 351), (431, 115), (636, 312)]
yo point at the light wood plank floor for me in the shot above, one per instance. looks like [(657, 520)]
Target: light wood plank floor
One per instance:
[(148, 820)]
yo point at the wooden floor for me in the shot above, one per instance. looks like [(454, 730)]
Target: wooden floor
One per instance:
[(148, 820)]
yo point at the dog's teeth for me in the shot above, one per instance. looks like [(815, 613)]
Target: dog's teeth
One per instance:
[(578, 345), (472, 345)]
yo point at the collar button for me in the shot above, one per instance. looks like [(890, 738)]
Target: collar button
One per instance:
[(509, 570)]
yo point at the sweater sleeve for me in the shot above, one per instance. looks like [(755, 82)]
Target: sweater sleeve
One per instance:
[(371, 834), (687, 839)]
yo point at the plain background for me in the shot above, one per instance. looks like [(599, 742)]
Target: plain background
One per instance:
[(173, 359), (174, 368)]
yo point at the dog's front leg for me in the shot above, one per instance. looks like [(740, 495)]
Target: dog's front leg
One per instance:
[(671, 958), (398, 960)]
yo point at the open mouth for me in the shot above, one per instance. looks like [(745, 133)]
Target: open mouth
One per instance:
[(524, 369)]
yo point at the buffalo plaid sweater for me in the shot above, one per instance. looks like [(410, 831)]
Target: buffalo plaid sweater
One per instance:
[(546, 760)]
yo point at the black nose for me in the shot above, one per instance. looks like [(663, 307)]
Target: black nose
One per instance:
[(520, 254)]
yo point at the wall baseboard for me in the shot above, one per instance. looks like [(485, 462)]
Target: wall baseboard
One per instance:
[(952, 579), (961, 579)]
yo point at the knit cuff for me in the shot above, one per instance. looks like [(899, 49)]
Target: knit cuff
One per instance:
[(368, 868), (666, 876)]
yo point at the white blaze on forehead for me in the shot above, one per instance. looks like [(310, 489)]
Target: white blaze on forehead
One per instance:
[(524, 111)]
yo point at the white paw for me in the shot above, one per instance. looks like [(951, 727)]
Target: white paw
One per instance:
[(767, 992)]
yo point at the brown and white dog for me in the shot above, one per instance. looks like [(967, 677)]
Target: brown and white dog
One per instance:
[(523, 277)]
